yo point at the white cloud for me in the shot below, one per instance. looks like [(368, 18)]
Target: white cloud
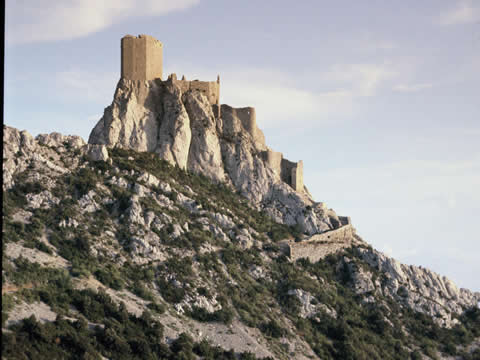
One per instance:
[(412, 87), (278, 103), (360, 79), (465, 12), (281, 98), (39, 21)]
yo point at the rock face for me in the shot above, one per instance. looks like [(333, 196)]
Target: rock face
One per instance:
[(415, 287), (184, 129), (21, 150)]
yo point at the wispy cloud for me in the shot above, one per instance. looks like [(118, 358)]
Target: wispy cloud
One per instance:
[(412, 87), (466, 11), (360, 79), (53, 20), (280, 98)]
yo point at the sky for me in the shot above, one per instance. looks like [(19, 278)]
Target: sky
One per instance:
[(379, 99)]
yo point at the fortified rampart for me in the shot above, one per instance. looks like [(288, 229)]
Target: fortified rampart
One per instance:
[(142, 58), (320, 245), (290, 172), (211, 89), (236, 121)]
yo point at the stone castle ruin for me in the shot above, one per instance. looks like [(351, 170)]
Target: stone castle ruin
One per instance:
[(142, 60)]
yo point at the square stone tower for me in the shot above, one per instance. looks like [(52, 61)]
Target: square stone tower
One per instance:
[(142, 57)]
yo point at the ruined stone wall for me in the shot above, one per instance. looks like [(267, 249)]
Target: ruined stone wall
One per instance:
[(345, 220), (297, 176), (273, 159), (248, 119), (141, 58), (320, 245), (211, 89), (292, 174)]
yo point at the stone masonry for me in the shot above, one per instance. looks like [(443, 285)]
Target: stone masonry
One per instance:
[(142, 58), (211, 89), (319, 245)]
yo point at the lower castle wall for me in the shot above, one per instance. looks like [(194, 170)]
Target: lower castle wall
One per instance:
[(319, 245)]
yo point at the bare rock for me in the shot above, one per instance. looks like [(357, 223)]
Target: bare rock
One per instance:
[(59, 141), (204, 154), (97, 152), (43, 200), (183, 130), (415, 287)]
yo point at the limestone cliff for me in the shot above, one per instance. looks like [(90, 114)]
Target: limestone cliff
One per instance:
[(182, 128)]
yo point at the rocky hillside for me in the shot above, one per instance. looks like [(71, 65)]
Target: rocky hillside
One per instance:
[(181, 128), (110, 253)]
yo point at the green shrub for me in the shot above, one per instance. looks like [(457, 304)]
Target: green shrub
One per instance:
[(273, 329), (157, 307), (224, 315), (110, 277), (140, 290)]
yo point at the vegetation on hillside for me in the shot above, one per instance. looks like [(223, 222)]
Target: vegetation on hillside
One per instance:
[(223, 272)]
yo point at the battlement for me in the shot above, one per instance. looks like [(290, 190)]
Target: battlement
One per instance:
[(142, 58), (211, 89)]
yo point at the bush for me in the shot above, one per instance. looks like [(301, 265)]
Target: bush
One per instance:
[(140, 290), (224, 315), (170, 292), (156, 307), (273, 329), (110, 277)]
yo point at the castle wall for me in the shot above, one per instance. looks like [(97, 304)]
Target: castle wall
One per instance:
[(286, 171), (141, 58), (297, 176), (154, 56), (248, 119), (292, 174), (273, 159), (320, 245), (211, 89)]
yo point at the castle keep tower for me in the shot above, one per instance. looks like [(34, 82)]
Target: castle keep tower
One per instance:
[(142, 57)]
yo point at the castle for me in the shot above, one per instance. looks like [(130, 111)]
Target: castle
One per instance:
[(142, 60)]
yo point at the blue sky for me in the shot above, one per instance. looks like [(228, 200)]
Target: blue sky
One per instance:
[(380, 99)]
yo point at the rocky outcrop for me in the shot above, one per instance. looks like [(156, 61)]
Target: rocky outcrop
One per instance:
[(415, 287), (97, 152), (21, 150), (182, 128)]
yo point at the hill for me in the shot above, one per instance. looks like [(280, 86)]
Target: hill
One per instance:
[(109, 252)]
